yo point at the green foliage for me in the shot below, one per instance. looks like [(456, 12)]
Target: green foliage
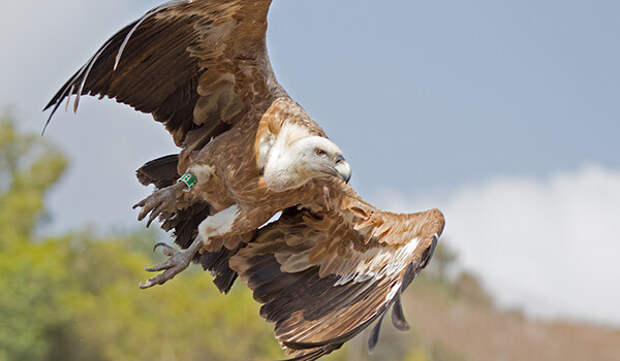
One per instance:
[(77, 298), (29, 275), (185, 320), (30, 167)]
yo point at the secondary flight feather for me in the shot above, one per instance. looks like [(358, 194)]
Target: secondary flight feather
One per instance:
[(333, 263), (324, 275)]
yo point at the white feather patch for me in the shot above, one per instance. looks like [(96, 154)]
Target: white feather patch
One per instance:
[(378, 262), (393, 291), (202, 172), (218, 224), (264, 147)]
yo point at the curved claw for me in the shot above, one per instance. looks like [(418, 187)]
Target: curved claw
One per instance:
[(154, 213), (160, 244), (148, 208), (160, 267), (161, 202), (161, 278), (167, 249), (177, 261), (171, 268)]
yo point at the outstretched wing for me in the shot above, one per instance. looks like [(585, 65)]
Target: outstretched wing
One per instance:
[(322, 280), (190, 63)]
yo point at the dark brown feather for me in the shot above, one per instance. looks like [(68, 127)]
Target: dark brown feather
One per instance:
[(217, 264), (322, 278), (161, 172), (398, 316), (185, 62)]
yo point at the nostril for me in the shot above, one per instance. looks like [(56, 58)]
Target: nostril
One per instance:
[(339, 159)]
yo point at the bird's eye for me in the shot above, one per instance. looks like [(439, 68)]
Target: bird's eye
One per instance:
[(319, 152)]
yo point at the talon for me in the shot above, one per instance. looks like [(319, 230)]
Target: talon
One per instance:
[(154, 215), (162, 201), (167, 250), (177, 261), (161, 244), (160, 267)]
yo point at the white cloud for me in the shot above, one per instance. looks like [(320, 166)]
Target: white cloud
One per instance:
[(550, 246)]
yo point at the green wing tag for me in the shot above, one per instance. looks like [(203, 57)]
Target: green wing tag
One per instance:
[(189, 180)]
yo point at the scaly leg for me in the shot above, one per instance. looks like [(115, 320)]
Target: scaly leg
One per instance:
[(216, 225), (163, 202)]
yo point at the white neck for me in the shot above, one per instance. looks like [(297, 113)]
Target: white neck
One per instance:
[(283, 169)]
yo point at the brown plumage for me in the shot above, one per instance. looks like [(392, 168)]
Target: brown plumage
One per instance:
[(201, 68), (191, 64), (332, 264), (325, 274)]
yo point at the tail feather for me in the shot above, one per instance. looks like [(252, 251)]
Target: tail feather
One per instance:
[(217, 264), (161, 172)]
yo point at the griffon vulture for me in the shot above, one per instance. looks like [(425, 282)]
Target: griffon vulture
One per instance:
[(201, 68), (332, 264)]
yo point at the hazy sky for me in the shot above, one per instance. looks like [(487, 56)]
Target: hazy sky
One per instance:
[(504, 114)]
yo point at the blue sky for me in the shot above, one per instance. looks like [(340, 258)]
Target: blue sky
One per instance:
[(474, 89), (431, 101)]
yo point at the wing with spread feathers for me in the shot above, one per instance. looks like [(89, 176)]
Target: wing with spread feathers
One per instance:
[(323, 278), (191, 64)]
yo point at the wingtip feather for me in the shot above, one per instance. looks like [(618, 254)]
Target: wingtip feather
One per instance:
[(398, 316), (373, 339)]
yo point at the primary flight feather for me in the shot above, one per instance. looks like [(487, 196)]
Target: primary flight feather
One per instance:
[(326, 273)]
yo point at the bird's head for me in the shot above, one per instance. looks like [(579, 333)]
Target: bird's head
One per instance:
[(320, 157), (294, 164)]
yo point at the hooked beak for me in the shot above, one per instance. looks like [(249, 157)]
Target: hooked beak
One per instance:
[(343, 169)]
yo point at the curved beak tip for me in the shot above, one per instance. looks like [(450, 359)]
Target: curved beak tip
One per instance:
[(344, 171)]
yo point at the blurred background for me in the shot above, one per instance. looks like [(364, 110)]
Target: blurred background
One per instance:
[(505, 115)]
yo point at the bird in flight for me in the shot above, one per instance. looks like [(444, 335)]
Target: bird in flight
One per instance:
[(332, 264), (248, 151)]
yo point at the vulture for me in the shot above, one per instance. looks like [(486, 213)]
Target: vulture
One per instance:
[(332, 263), (248, 151)]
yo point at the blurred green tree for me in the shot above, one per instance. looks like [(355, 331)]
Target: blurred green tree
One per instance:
[(28, 272)]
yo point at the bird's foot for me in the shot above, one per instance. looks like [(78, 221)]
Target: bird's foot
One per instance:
[(162, 202), (177, 261)]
